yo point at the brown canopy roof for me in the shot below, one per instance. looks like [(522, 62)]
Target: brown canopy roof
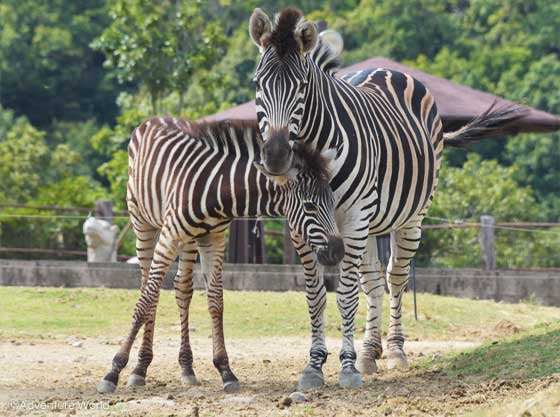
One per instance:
[(457, 104)]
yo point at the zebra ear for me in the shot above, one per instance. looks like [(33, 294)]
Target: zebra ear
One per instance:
[(329, 156), (306, 35), (334, 40), (259, 27)]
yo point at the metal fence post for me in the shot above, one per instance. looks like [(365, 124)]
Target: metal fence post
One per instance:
[(487, 242)]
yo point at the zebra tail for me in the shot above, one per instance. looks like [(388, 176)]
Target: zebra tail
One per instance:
[(495, 121)]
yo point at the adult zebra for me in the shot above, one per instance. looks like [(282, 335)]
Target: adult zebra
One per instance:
[(186, 184), (389, 140)]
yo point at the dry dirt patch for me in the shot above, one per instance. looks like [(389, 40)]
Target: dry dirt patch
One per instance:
[(56, 373)]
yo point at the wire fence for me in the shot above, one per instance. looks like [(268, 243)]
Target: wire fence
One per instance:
[(48, 232)]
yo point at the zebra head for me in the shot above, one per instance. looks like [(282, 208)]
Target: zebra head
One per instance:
[(281, 79), (309, 203)]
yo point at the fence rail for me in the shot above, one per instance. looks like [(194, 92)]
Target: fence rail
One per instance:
[(58, 208), (496, 225), (59, 252), (246, 243)]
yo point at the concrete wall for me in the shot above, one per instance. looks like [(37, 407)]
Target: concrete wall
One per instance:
[(502, 285), (510, 286), (120, 275)]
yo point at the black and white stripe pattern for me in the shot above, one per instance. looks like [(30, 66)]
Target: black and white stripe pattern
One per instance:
[(186, 183), (388, 136)]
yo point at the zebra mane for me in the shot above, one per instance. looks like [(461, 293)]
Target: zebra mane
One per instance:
[(221, 128), (312, 162), (282, 38), (216, 134), (325, 58), (247, 136)]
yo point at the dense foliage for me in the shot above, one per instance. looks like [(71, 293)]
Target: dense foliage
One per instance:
[(77, 76)]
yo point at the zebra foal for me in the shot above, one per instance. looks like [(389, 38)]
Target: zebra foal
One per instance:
[(187, 182)]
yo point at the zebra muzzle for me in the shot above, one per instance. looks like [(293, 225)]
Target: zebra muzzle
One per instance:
[(277, 152), (333, 253)]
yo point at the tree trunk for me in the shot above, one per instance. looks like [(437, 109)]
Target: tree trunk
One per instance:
[(153, 102)]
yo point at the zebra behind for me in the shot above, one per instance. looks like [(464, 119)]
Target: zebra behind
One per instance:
[(389, 140), (187, 182)]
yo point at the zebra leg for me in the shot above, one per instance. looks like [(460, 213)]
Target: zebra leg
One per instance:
[(164, 254), (372, 280), (347, 300), (146, 238), (211, 249), (404, 243), (183, 296), (316, 294)]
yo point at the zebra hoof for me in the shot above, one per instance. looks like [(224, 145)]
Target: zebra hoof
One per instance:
[(397, 360), (106, 387), (367, 366), (231, 386), (349, 378), (189, 380), (311, 378), (136, 381)]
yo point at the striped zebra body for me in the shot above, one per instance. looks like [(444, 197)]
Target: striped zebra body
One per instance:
[(407, 149), (186, 183), (389, 140)]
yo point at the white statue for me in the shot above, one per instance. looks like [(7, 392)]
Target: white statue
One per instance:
[(101, 240)]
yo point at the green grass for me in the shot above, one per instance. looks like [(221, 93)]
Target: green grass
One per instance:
[(522, 359), (530, 355), (54, 312)]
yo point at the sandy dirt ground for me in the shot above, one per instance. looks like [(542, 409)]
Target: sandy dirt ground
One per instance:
[(58, 377)]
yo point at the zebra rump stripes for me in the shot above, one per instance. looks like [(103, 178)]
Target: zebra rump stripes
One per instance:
[(186, 183)]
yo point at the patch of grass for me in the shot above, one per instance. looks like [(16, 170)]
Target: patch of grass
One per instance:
[(521, 357), (55, 312)]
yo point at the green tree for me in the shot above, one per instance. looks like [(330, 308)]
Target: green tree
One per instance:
[(23, 154), (511, 49), (160, 44), (393, 29), (227, 82), (485, 187), (35, 174), (77, 136), (48, 70), (537, 156)]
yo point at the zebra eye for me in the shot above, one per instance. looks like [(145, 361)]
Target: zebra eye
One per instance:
[(302, 87), (310, 206)]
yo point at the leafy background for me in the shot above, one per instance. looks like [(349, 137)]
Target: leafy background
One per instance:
[(76, 76)]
